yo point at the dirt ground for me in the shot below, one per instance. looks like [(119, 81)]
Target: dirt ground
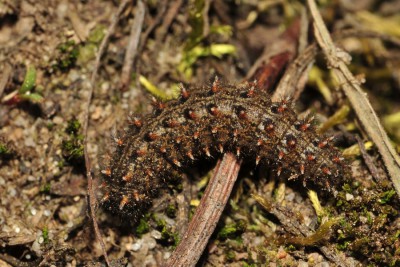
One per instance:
[(47, 56)]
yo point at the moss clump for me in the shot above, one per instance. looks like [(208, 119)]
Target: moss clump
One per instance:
[(143, 226), (45, 235), (68, 53), (386, 196), (73, 127), (232, 230), (168, 237), (45, 188), (73, 147), (4, 150), (230, 255), (171, 211)]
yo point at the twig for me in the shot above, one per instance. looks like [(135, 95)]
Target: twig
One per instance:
[(289, 83), (285, 43), (168, 19), (265, 76), (133, 44), (79, 27), (91, 198), (368, 161), (205, 219), (357, 97), (157, 20)]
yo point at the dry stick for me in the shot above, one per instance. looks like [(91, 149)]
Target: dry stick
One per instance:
[(205, 219), (357, 97), (92, 199), (368, 160), (288, 85), (157, 20), (133, 44), (168, 19)]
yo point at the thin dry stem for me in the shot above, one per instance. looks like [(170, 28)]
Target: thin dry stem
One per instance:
[(207, 214), (358, 99), (91, 196), (133, 44)]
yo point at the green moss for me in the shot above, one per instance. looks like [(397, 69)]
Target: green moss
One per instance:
[(347, 188), (4, 150), (45, 188), (97, 34), (68, 53), (386, 196), (50, 125), (167, 235), (45, 234), (171, 211), (73, 127), (343, 246), (142, 227), (230, 255), (61, 164), (73, 146), (232, 230), (73, 149), (86, 53)]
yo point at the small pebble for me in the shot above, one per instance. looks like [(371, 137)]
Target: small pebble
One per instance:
[(47, 213), (155, 234), (151, 243), (33, 211), (167, 255), (349, 197), (137, 245)]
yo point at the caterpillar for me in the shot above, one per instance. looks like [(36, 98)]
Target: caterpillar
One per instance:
[(206, 122)]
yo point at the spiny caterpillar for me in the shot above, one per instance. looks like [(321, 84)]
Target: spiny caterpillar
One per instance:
[(206, 122)]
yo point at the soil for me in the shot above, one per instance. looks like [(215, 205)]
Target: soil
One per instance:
[(44, 215)]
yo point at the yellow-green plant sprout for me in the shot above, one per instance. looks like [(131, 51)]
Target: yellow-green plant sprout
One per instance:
[(29, 80), (316, 77), (388, 25), (319, 210), (354, 150), (320, 235), (192, 49), (335, 119), (26, 90), (156, 92)]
